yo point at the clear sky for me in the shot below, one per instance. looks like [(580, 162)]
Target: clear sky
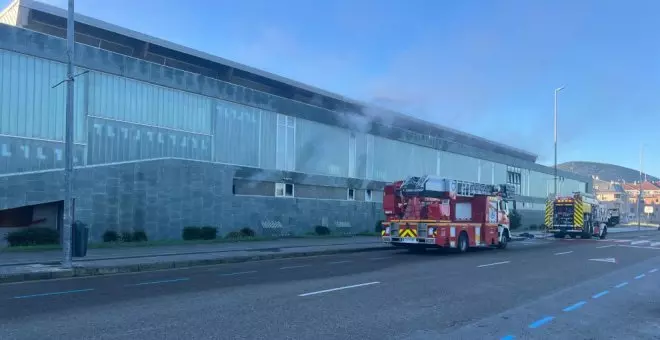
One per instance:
[(488, 67)]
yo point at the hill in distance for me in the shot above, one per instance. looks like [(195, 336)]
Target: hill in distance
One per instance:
[(605, 172)]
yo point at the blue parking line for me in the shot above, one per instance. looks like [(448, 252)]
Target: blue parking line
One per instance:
[(508, 337), (639, 276), (575, 306), (621, 284), (600, 294), (158, 282), (53, 293), (541, 322)]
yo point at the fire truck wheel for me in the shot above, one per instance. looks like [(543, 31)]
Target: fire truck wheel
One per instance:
[(463, 242), (505, 241)]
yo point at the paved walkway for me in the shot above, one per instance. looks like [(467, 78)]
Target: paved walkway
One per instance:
[(25, 266), (54, 256)]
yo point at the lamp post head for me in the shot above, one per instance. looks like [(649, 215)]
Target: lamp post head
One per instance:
[(559, 89)]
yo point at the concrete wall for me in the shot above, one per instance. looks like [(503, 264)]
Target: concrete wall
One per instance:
[(530, 217), (164, 195)]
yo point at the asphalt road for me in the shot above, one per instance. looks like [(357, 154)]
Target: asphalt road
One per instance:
[(537, 289)]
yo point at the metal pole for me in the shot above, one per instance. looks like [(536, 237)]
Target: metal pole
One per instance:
[(641, 192), (555, 170), (68, 146)]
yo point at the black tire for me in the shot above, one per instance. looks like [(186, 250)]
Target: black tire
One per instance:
[(463, 243), (559, 235), (503, 244)]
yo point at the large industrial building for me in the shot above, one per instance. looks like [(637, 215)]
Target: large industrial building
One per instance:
[(166, 136)]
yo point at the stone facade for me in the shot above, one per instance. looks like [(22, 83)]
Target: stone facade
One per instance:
[(164, 195)]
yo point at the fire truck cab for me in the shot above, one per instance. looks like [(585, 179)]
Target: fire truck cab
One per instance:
[(436, 212)]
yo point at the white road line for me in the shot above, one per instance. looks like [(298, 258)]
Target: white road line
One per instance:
[(655, 244), (338, 262), (493, 264), (564, 253), (380, 258), (639, 242), (621, 241), (239, 273), (340, 288), (294, 267), (638, 247), (607, 246)]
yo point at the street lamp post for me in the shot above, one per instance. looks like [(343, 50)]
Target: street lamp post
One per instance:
[(556, 92), (68, 144), (641, 190)]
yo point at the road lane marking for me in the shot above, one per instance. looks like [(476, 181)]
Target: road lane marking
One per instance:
[(53, 293), (493, 264), (508, 337), (295, 267), (638, 247), (639, 242), (158, 282), (575, 306), (622, 284), (339, 288), (239, 273), (655, 244), (380, 258), (564, 253), (653, 270), (639, 276), (541, 322), (607, 246), (339, 262), (600, 294)]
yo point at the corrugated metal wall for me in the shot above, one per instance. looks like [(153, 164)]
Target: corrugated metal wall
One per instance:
[(29, 105), (10, 15), (120, 119)]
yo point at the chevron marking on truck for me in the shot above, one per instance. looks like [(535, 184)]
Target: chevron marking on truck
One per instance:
[(408, 232), (549, 212), (578, 219)]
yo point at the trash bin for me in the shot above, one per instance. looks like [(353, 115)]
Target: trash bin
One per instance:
[(80, 239)]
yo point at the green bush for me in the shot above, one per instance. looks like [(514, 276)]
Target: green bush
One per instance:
[(126, 236), (110, 236), (515, 220), (208, 233), (140, 236), (32, 236), (234, 235), (247, 232), (191, 233), (322, 230)]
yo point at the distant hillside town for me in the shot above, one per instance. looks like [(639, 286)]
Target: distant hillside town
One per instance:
[(624, 196)]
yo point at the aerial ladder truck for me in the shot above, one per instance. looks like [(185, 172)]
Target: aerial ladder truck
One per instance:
[(437, 212)]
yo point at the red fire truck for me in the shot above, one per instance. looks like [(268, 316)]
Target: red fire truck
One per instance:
[(436, 212)]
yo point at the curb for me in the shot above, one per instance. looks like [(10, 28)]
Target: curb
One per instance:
[(146, 267)]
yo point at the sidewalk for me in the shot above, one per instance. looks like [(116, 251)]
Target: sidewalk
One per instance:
[(26, 266)]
